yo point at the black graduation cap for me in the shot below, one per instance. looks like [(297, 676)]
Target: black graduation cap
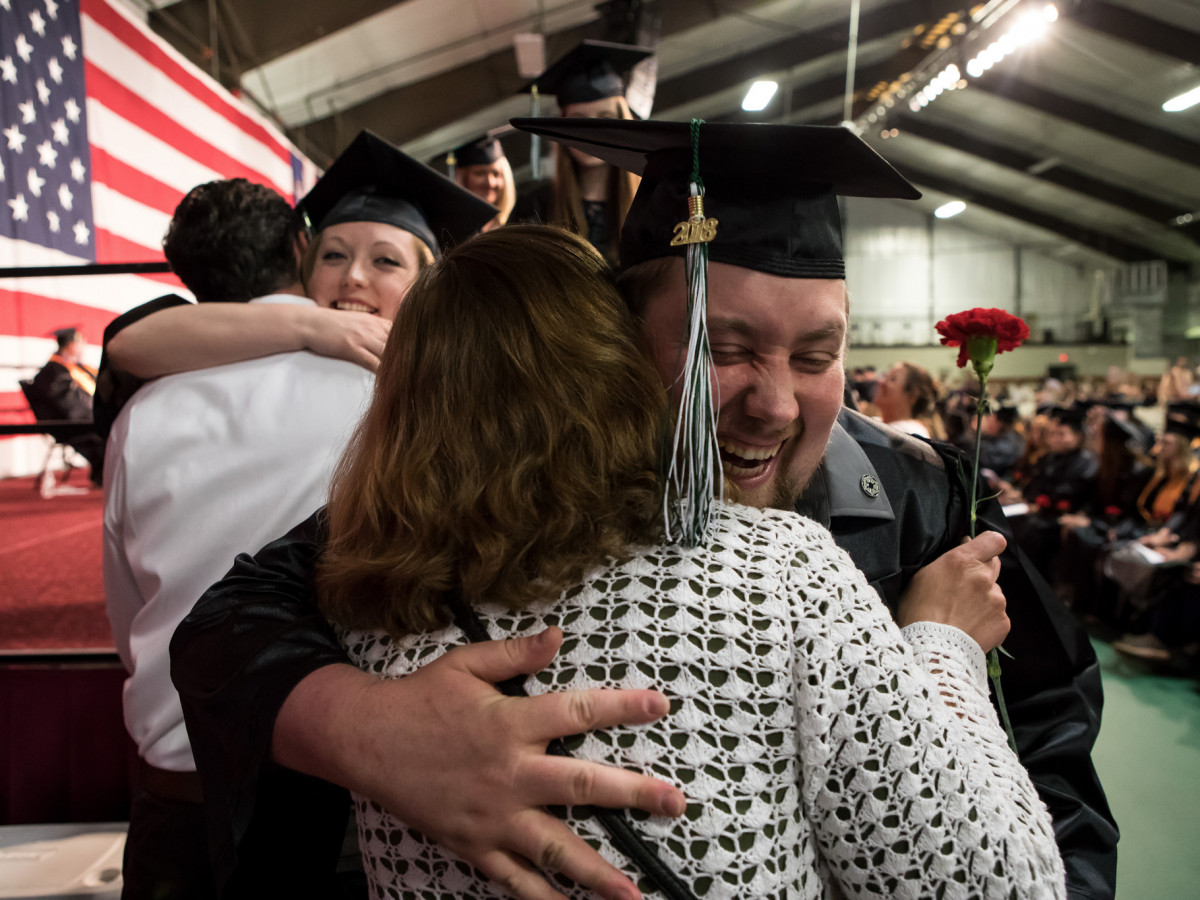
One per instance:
[(1183, 417), (773, 189), (480, 152), (65, 335), (1119, 430), (375, 181), (591, 71), (1070, 415), (1006, 414)]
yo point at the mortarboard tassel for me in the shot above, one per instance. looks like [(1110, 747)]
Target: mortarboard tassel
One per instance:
[(694, 461)]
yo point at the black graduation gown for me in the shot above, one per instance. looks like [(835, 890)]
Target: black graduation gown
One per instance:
[(254, 635), (115, 386), (54, 384)]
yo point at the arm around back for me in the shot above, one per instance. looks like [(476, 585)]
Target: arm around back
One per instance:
[(263, 679), (198, 336)]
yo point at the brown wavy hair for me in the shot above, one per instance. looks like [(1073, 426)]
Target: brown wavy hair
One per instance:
[(511, 443)]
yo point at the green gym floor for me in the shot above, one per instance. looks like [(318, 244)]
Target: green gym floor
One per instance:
[(1148, 757)]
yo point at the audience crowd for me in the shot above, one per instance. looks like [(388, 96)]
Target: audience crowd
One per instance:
[(1106, 505)]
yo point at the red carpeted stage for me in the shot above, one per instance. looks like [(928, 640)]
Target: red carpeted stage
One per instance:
[(64, 754), (51, 586)]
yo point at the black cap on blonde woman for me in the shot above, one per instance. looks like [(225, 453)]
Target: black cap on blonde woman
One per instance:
[(375, 181)]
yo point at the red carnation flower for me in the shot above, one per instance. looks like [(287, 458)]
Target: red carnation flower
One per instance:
[(982, 333), (1063, 506), (1042, 501), (1112, 511)]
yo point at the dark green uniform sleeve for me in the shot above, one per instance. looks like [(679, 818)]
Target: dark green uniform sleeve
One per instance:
[(247, 643), (1051, 685)]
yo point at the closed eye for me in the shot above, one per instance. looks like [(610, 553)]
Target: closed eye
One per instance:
[(729, 354)]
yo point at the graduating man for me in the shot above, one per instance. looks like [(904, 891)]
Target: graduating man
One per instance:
[(449, 755), (65, 386)]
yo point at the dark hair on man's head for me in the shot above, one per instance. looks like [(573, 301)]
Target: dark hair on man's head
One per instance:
[(512, 442), (233, 240), (639, 283)]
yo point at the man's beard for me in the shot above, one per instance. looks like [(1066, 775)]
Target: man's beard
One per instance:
[(787, 492)]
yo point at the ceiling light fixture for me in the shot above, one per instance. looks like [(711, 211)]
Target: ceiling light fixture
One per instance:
[(1184, 101), (949, 210), (759, 95)]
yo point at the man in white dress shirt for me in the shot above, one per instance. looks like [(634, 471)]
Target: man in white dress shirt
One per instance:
[(201, 466)]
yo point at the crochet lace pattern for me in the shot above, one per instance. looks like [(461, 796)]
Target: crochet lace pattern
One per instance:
[(823, 752)]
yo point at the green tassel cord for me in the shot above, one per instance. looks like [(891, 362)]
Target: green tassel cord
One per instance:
[(693, 475)]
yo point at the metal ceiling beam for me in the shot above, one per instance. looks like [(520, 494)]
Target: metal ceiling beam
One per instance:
[(791, 51), (1057, 174), (1151, 34), (405, 113), (1147, 137), (408, 112), (1096, 240), (273, 27)]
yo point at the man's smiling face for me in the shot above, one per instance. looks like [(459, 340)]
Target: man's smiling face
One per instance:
[(777, 347)]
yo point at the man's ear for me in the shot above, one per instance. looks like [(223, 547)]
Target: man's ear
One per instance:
[(300, 245)]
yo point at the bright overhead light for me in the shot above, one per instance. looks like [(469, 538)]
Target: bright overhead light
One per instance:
[(1183, 101), (946, 210), (1050, 12), (759, 95)]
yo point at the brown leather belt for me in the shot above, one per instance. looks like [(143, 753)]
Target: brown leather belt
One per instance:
[(182, 787)]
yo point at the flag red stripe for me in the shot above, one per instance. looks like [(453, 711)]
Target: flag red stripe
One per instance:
[(133, 183), (14, 410), (112, 21), (125, 103), (32, 315), (114, 248)]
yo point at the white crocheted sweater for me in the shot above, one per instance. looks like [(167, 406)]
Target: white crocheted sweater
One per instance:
[(823, 752)]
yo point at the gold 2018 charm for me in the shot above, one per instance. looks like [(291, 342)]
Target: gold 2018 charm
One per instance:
[(696, 229)]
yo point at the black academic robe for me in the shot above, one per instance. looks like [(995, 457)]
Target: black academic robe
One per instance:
[(895, 503), (62, 393), (115, 386)]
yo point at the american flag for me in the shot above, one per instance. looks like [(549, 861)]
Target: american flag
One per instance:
[(103, 128)]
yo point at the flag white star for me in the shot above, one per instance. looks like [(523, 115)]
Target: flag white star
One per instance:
[(28, 115), (35, 182), (24, 48), (81, 232), (47, 155), (16, 140), (6, 5), (65, 197), (20, 208), (72, 109), (52, 9), (53, 220), (37, 23), (43, 91), (69, 47), (8, 70), (78, 172), (62, 133), (56, 69)]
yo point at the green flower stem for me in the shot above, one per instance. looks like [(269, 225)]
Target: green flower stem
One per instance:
[(982, 369)]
